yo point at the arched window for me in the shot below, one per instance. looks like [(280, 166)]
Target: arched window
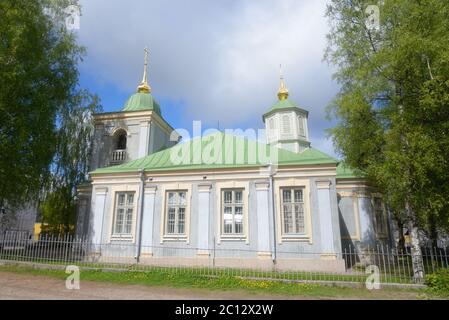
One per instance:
[(286, 124), (121, 141), (119, 153), (301, 130)]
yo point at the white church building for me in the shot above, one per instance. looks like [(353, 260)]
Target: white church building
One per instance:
[(246, 203)]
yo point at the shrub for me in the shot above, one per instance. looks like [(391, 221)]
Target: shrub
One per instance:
[(438, 282)]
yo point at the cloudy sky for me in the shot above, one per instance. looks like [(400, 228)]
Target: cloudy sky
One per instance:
[(210, 60)]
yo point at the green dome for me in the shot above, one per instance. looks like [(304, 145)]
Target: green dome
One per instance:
[(142, 101)]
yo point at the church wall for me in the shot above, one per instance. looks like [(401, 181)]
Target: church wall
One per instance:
[(104, 141), (312, 247), (83, 205), (357, 218), (159, 139), (202, 193)]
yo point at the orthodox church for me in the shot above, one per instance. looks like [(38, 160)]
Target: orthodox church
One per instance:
[(246, 204)]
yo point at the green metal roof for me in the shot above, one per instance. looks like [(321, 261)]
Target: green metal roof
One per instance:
[(188, 156), (142, 101), (281, 105), (345, 172)]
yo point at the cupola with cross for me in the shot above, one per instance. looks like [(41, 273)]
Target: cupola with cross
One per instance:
[(134, 132), (286, 124)]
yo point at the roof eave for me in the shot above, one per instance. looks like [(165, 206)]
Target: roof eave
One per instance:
[(272, 111)]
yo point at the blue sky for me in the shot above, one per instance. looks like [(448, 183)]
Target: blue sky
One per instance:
[(214, 61)]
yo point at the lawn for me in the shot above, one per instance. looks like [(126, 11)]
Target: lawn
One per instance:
[(184, 279)]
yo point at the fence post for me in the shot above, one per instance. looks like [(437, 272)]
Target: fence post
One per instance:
[(213, 257)]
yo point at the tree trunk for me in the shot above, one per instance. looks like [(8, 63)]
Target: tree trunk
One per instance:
[(401, 240), (417, 258)]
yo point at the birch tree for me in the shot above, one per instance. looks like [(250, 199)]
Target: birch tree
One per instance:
[(38, 76), (392, 63)]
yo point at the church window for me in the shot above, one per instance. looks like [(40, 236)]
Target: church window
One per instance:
[(232, 212), (272, 124), (176, 213), (121, 141), (119, 154), (293, 211), (286, 125), (124, 213), (301, 126), (379, 217)]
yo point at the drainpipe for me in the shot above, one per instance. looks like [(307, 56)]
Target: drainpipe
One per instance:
[(273, 211), (140, 215)]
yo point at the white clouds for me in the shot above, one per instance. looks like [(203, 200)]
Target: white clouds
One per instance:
[(220, 57), (263, 36)]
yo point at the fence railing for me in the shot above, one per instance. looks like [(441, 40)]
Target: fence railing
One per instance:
[(350, 265)]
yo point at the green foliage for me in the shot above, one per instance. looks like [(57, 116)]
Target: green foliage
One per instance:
[(438, 282), (71, 163), (45, 119), (393, 106), (38, 74), (58, 211)]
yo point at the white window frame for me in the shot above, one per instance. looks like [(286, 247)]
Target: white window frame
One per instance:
[(293, 183), (235, 184), (175, 187), (272, 128), (233, 204), (176, 206), (301, 126), (284, 131), (293, 203), (123, 236), (272, 123)]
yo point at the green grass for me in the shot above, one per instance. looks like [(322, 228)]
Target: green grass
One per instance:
[(359, 276), (184, 279)]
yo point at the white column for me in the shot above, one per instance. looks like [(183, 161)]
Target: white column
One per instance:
[(203, 218), (148, 220), (263, 219), (325, 212), (98, 217), (144, 139)]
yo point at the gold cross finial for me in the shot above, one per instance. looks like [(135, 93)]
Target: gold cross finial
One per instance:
[(283, 92), (144, 86)]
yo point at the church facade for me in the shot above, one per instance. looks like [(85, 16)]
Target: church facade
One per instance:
[(243, 202)]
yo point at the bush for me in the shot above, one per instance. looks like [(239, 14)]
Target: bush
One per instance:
[(438, 282)]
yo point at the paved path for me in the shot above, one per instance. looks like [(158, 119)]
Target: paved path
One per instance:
[(25, 286)]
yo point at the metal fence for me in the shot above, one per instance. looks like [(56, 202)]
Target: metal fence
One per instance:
[(351, 265)]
